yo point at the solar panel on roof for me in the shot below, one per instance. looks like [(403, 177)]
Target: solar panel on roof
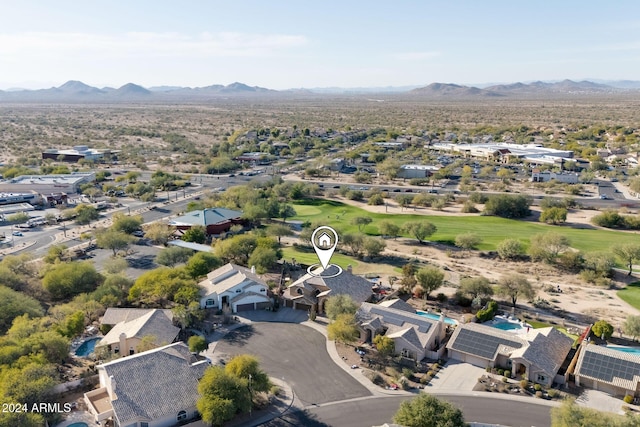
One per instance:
[(606, 368), (480, 344)]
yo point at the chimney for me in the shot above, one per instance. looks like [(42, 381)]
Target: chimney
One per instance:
[(123, 344), (111, 389), (253, 269)]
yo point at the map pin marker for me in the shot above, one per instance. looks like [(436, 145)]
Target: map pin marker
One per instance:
[(324, 240)]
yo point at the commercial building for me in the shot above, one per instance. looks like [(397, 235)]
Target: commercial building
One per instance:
[(78, 152), (417, 171), (30, 197), (507, 152), (47, 184), (566, 177)]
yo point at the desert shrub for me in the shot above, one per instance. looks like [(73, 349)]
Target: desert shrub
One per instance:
[(537, 387), (392, 372), (500, 371), (553, 393), (431, 374), (628, 398), (441, 297), (505, 379), (425, 379), (487, 313), (375, 378), (524, 383), (469, 207), (488, 369), (274, 390), (461, 299), (477, 198), (407, 373), (539, 394), (507, 373)]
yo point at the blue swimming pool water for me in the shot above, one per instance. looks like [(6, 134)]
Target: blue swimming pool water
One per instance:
[(86, 348), (633, 350), (434, 316), (507, 326), (80, 424)]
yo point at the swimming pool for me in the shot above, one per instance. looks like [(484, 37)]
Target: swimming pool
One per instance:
[(506, 326), (86, 348), (435, 316), (80, 424), (632, 350)]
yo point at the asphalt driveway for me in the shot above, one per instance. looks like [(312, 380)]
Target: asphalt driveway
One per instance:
[(296, 354)]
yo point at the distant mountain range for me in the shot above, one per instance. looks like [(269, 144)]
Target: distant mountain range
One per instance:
[(76, 91), (565, 87)]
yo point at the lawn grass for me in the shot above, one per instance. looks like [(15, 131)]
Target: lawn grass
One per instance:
[(631, 294), (491, 229), (537, 325)]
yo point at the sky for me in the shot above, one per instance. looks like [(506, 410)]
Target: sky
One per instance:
[(282, 44)]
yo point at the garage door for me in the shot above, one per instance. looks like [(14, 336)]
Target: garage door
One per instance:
[(263, 305), (244, 307), (304, 307)]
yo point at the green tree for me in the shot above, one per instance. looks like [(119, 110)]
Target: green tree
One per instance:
[(569, 414), (427, 410), (355, 243), (85, 214), (222, 395), (115, 265), (390, 168), (554, 215), (263, 258), (286, 211), (404, 200), (173, 255), (467, 241), (163, 284), (628, 252), (201, 263), (236, 249), (343, 328), (339, 304), (113, 239), (126, 224), (515, 286), (56, 253), (384, 345), (361, 221), (279, 230), (507, 206), (197, 344), (158, 232), (420, 229), (376, 200), (14, 304), (510, 249), (18, 218), (70, 279), (195, 234), (373, 246), (547, 246), (631, 326), (245, 366), (73, 325), (388, 228), (602, 329), (602, 263), (475, 287), (429, 279)]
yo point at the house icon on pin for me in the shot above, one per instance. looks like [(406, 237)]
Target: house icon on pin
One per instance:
[(324, 241)]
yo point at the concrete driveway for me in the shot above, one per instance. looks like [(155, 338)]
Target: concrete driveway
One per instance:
[(456, 376), (297, 355)]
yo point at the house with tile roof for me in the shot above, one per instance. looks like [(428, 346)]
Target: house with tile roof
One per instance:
[(214, 220), (155, 388), (538, 353), (604, 368), (125, 336), (311, 291), (115, 315), (234, 286), (415, 337)]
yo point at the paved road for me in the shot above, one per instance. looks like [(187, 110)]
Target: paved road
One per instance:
[(377, 411), (298, 355)]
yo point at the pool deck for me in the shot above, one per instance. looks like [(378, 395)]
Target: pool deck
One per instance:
[(77, 417)]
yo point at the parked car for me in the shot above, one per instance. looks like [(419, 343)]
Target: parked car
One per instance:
[(17, 233)]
